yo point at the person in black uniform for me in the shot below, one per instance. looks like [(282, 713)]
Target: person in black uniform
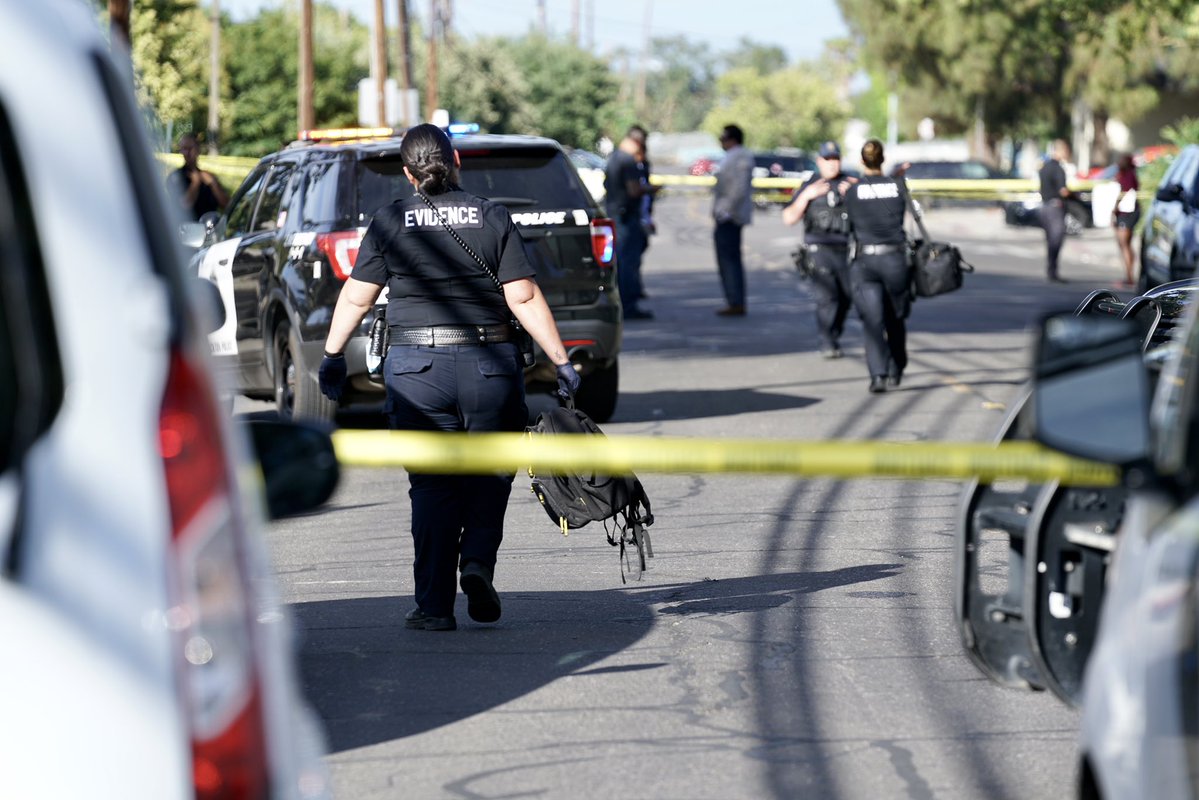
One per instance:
[(1053, 204), (879, 273), (453, 364), (198, 191), (819, 204)]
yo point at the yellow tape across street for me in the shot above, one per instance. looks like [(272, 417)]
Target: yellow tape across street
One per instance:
[(466, 453)]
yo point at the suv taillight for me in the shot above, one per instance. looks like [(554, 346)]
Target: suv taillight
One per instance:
[(603, 241), (212, 606), (341, 248)]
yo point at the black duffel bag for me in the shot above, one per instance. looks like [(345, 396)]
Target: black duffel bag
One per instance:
[(937, 268)]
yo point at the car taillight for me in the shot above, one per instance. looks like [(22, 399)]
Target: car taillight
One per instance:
[(603, 241), (212, 607), (341, 248)]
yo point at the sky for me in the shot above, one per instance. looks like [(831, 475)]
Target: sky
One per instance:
[(621, 22)]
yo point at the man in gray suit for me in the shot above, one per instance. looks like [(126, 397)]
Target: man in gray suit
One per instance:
[(732, 208)]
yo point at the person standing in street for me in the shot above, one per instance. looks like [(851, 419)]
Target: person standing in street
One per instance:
[(1053, 204), (648, 227), (453, 363), (624, 191), (732, 209), (1125, 216), (879, 274), (819, 203), (198, 191)]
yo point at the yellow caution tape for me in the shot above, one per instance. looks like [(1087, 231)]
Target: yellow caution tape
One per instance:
[(992, 189), (464, 453)]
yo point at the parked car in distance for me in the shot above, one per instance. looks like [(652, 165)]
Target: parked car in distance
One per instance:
[(289, 239), (1170, 231), (967, 172), (1093, 592), (704, 165), (146, 652), (795, 166)]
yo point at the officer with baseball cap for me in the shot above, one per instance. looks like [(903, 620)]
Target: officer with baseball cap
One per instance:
[(825, 250)]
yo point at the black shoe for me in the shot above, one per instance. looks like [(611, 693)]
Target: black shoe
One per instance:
[(482, 602), (731, 311), (1056, 279), (418, 620), (830, 352), (893, 379), (638, 313), (878, 384)]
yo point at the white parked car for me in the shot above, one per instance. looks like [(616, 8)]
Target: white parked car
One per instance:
[(145, 653)]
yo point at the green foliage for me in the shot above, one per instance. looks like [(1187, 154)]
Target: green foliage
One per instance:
[(486, 86), (680, 86), (170, 59), (761, 58), (1183, 132), (795, 107), (571, 93)]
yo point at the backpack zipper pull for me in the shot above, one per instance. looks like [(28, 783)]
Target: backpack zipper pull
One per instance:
[(562, 522)]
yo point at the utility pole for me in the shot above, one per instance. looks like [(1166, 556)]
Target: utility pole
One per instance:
[(381, 62), (431, 99), (307, 119), (214, 79), (405, 36), (574, 22), (639, 98), (542, 23), (118, 21), (590, 26)]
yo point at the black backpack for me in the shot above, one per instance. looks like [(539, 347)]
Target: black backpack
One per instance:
[(573, 500)]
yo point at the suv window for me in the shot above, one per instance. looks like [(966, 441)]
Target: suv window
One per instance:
[(241, 207), (272, 197), (523, 178), (380, 181), (320, 194)]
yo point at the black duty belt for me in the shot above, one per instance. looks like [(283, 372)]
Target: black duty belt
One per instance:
[(879, 249), (451, 334), (812, 248)]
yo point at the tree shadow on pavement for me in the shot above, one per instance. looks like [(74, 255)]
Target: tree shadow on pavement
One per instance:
[(373, 681)]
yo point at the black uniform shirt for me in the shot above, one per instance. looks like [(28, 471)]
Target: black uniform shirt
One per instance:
[(1053, 180), (178, 183), (876, 207), (431, 280), (823, 213), (622, 169)]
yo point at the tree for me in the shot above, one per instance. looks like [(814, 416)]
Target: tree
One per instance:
[(680, 85), (169, 50), (761, 58), (796, 107), (571, 93), (487, 86)]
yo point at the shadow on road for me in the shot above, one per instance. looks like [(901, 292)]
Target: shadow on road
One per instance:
[(373, 681)]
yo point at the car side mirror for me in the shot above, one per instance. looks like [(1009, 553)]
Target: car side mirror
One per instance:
[(299, 467), (1169, 193), (1091, 389), (192, 234)]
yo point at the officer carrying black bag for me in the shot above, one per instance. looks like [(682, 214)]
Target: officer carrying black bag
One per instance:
[(823, 258)]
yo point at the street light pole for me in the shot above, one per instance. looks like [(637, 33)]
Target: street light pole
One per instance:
[(305, 114), (381, 62), (214, 79)]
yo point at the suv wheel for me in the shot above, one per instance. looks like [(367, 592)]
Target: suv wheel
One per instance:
[(598, 392), (297, 392)]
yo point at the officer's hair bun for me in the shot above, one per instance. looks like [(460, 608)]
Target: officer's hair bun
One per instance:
[(427, 153), (872, 154)]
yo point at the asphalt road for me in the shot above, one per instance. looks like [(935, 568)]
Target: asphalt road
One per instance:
[(792, 638)]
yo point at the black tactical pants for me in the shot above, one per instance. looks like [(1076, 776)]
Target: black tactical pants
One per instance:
[(455, 518), (1053, 220), (881, 286), (829, 280)]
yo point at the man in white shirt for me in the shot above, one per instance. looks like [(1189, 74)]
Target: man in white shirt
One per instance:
[(732, 208)]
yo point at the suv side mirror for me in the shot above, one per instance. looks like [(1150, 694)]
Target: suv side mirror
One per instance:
[(1169, 193), (299, 467), (1091, 390)]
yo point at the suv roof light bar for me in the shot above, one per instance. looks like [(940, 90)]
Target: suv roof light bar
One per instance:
[(462, 128), (333, 134)]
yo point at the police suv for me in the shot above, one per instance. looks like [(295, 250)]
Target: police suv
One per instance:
[(290, 235)]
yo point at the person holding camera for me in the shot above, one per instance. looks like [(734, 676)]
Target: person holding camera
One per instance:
[(198, 191), (453, 363), (880, 274), (825, 249)]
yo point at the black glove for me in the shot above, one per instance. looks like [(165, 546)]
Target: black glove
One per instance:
[(333, 375), (568, 381)]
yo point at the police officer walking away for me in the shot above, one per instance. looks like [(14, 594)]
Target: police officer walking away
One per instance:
[(453, 363), (1053, 204), (879, 274), (818, 202)]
